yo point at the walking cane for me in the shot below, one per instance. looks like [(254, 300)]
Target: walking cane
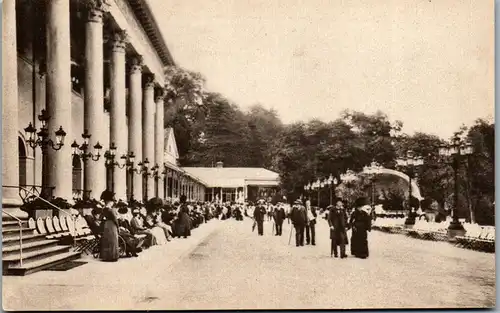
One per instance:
[(290, 237), (273, 227)]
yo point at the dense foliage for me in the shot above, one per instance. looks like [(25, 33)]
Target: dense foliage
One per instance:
[(211, 128)]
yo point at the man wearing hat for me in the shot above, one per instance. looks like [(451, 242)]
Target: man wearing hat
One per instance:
[(279, 217), (258, 215), (299, 220)]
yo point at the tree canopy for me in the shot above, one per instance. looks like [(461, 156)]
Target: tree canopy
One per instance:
[(211, 128)]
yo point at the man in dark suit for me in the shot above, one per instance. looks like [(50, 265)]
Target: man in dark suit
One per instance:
[(279, 217), (299, 220), (259, 214), (338, 222)]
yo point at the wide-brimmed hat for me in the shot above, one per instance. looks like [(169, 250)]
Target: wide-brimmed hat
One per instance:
[(107, 195), (298, 201)]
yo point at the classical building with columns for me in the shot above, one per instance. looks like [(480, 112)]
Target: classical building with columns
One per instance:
[(97, 68)]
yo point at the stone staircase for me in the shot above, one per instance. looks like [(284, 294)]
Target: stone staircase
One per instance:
[(38, 252)]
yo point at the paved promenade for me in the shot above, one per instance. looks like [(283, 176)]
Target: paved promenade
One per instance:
[(224, 265)]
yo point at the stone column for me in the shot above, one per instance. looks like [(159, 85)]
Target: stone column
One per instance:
[(148, 129), (58, 95), (135, 119), (94, 172), (10, 157), (159, 139), (118, 122)]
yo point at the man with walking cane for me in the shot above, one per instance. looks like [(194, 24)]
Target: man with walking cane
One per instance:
[(258, 215), (338, 222), (299, 220), (279, 217)]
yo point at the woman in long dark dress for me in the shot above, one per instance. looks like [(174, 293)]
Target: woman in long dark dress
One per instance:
[(109, 240), (361, 224), (183, 219)]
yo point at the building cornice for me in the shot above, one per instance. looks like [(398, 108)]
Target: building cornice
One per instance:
[(144, 14)]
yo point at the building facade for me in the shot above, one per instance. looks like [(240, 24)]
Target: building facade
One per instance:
[(93, 67), (236, 184)]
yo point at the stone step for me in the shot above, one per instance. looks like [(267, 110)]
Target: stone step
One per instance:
[(33, 256), (41, 264), (14, 241), (28, 247), (13, 233)]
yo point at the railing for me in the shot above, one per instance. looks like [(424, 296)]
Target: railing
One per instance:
[(72, 231), (26, 192), (20, 236)]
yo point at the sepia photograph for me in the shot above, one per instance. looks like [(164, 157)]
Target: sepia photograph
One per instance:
[(248, 154)]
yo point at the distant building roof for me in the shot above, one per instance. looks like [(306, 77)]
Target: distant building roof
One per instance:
[(227, 177)]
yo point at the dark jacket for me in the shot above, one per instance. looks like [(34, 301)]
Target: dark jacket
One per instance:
[(279, 215), (299, 215), (259, 213), (338, 219)]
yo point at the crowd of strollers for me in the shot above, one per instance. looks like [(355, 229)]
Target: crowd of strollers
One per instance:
[(156, 222)]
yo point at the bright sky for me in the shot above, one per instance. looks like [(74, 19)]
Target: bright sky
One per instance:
[(427, 63)]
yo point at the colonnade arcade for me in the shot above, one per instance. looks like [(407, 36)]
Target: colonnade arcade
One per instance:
[(89, 78)]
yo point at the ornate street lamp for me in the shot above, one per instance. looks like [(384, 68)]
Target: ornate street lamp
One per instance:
[(123, 161), (458, 150), (129, 160), (144, 170), (156, 175), (410, 162), (43, 141), (332, 184), (80, 151), (373, 170), (308, 189)]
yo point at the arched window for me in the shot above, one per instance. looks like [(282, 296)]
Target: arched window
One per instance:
[(22, 162)]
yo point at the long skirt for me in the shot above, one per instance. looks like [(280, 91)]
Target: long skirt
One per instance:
[(109, 242), (359, 243), (158, 236)]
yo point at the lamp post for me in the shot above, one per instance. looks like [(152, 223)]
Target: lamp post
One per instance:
[(457, 150), (320, 184), (129, 162), (110, 156), (308, 188), (43, 141), (144, 170), (156, 175), (164, 176), (80, 151), (410, 162), (332, 183), (373, 170)]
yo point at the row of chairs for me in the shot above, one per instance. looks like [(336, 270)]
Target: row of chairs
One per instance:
[(62, 228), (481, 239)]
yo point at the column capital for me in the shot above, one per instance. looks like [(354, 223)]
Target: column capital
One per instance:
[(136, 64), (149, 81), (159, 94), (118, 41), (96, 10)]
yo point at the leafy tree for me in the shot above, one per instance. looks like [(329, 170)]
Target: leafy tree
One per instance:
[(479, 172)]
